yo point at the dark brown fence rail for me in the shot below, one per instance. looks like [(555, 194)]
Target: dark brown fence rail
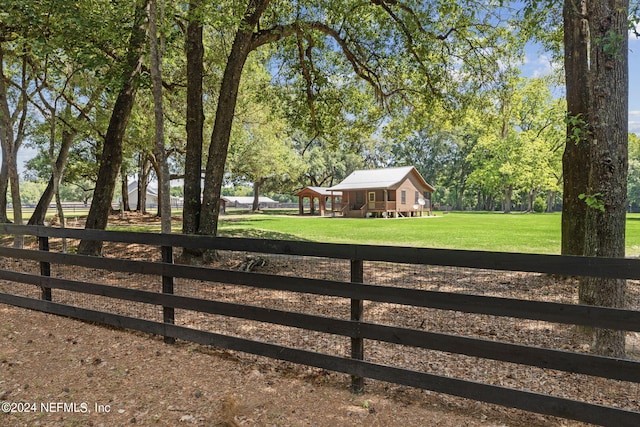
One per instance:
[(355, 328)]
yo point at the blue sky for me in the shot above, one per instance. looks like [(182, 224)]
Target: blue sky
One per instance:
[(538, 63), (634, 85)]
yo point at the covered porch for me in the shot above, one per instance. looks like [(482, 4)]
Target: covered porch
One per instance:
[(380, 203), (323, 196)]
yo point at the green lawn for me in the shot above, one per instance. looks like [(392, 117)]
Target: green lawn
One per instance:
[(531, 233)]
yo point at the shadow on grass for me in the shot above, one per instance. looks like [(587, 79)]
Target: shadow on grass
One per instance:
[(260, 234), (266, 212)]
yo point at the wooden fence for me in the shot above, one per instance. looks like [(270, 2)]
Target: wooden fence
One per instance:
[(354, 328)]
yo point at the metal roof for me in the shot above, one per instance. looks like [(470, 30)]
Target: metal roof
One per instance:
[(246, 200), (378, 178), (322, 191)]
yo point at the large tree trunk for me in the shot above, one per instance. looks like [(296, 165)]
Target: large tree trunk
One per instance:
[(575, 159), (195, 121), (605, 231), (606, 139), (40, 212), (164, 185), (242, 45), (111, 157)]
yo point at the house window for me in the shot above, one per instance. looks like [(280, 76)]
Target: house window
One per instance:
[(403, 197), (417, 196)]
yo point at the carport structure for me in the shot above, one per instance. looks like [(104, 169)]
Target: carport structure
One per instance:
[(323, 196)]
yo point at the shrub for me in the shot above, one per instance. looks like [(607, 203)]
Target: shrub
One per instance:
[(539, 205)]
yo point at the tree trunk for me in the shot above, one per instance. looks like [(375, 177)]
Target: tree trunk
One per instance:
[(508, 194), (124, 189), (10, 144), (575, 159), (606, 139), (605, 231), (143, 179), (551, 201), (460, 197), (143, 184), (40, 212), (164, 185), (195, 121), (4, 186), (531, 198), (14, 181), (218, 149), (111, 157), (256, 194)]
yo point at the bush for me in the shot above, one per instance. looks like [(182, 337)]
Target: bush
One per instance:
[(539, 205)]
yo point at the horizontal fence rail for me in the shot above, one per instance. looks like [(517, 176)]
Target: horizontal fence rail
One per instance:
[(355, 328)]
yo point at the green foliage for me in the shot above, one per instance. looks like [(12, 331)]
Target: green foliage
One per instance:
[(520, 141), (539, 205), (411, 90), (612, 43), (30, 192), (633, 179), (594, 201), (578, 127), (177, 191)]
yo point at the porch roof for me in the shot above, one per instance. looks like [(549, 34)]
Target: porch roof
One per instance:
[(387, 178), (317, 191)]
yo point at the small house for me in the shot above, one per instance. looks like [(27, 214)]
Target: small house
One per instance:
[(389, 193), (151, 196)]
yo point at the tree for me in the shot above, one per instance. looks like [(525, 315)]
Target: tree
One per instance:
[(111, 157), (633, 186), (194, 49), (12, 133), (387, 44), (160, 153), (515, 153), (596, 155), (261, 150)]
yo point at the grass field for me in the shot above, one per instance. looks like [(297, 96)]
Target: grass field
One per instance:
[(529, 233)]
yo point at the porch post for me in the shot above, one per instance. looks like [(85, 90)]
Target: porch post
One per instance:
[(385, 196)]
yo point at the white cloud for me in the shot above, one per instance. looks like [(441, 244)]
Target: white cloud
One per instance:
[(539, 65)]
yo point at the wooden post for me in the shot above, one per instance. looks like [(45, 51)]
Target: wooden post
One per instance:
[(168, 313), (45, 267), (357, 315)]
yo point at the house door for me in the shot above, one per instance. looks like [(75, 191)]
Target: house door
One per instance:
[(372, 200)]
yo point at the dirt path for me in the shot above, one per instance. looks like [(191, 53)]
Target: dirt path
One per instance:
[(70, 373)]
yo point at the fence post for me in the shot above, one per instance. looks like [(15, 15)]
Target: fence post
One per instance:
[(357, 315), (167, 288), (45, 267)]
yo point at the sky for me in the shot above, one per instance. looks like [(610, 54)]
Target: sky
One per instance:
[(538, 63)]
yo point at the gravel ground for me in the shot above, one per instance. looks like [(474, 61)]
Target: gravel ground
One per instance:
[(109, 377)]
